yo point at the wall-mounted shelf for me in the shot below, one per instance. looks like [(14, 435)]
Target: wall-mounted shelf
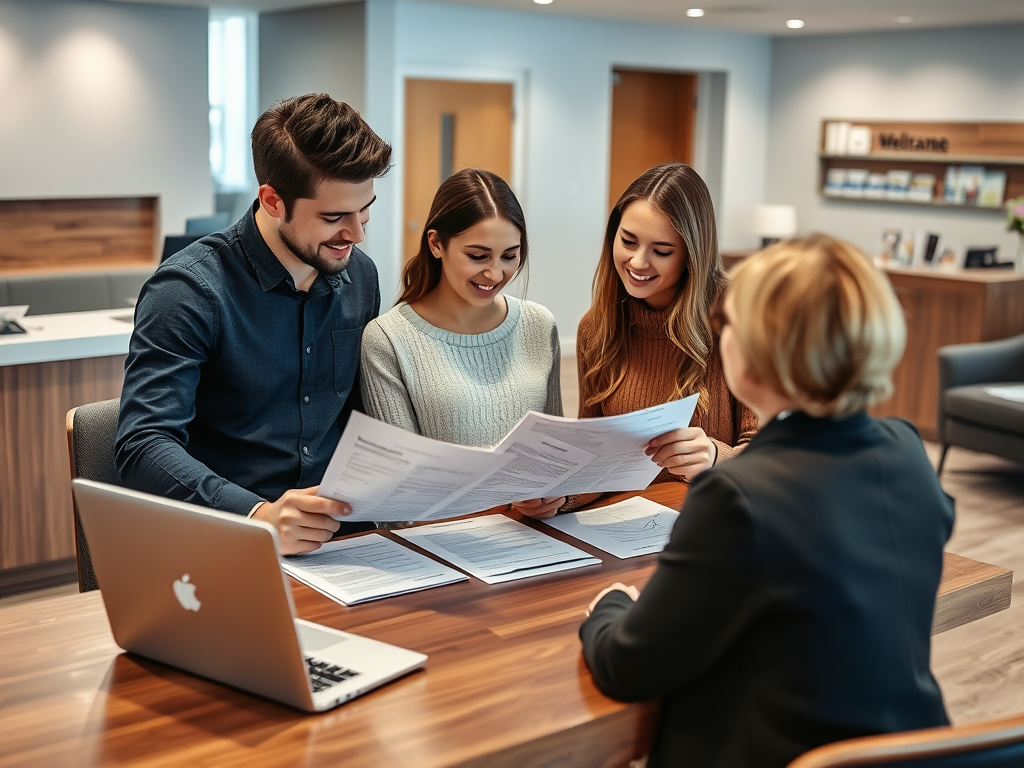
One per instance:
[(996, 147)]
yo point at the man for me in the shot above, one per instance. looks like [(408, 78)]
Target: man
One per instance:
[(242, 368)]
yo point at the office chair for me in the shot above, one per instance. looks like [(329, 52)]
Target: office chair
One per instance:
[(990, 744), (206, 225), (91, 430)]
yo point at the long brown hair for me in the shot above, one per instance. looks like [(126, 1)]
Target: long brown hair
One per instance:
[(464, 199), (676, 191)]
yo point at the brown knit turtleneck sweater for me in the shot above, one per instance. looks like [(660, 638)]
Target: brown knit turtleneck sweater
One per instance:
[(651, 364)]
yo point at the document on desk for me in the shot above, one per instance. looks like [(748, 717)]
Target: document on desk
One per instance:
[(367, 568), (630, 528), (617, 443), (495, 548)]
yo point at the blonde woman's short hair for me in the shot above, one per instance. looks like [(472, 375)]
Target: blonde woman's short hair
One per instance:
[(819, 323)]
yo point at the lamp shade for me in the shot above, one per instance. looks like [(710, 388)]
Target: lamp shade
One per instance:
[(775, 221)]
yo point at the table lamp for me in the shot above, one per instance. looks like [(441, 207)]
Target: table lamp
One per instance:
[(774, 222)]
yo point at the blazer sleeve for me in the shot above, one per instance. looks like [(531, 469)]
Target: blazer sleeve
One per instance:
[(704, 592)]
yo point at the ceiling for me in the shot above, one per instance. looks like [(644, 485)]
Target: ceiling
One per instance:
[(756, 16)]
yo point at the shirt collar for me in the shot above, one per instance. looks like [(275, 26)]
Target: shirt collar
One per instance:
[(269, 271)]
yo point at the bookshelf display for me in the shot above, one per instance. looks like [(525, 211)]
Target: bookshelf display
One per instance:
[(976, 166)]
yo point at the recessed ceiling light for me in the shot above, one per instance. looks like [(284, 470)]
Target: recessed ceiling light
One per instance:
[(795, 24), (904, 19), (543, 2), (694, 13)]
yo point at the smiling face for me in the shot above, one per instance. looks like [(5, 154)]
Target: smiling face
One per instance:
[(649, 255), (321, 231), (478, 263)]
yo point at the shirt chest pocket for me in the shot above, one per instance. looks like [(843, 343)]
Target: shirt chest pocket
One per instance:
[(346, 358)]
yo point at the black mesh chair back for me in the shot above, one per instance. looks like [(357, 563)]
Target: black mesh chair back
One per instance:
[(91, 430)]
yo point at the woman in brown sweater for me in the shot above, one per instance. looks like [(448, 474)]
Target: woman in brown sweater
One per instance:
[(647, 338)]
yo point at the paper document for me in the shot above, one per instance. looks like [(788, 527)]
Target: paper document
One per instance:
[(386, 473), (628, 529), (367, 568), (495, 548), (617, 443), (1011, 392)]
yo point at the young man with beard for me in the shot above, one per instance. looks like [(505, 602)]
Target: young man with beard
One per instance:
[(242, 368)]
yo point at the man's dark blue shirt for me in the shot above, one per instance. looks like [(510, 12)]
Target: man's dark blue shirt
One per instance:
[(237, 386)]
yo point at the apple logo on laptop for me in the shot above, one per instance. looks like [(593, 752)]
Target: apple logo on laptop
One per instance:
[(186, 594)]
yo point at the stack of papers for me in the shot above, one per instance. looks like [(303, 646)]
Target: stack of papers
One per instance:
[(367, 568), (386, 473), (495, 548), (630, 528)]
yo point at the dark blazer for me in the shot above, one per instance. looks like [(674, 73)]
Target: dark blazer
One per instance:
[(793, 604)]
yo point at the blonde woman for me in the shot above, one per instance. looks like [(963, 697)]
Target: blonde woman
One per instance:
[(793, 604)]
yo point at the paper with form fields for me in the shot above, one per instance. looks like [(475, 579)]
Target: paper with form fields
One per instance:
[(630, 528), (495, 548), (386, 473), (367, 568)]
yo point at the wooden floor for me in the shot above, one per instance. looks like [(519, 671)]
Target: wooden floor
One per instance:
[(980, 666)]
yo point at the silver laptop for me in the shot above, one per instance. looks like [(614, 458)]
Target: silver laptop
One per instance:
[(203, 591)]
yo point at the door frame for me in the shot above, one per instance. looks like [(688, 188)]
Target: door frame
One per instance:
[(430, 71)]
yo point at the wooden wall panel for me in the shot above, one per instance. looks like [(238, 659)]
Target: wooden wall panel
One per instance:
[(36, 523), (78, 233)]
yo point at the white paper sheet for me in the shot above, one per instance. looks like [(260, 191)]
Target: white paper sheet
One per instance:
[(495, 548), (386, 473), (630, 528), (618, 443), (1012, 392), (367, 568)]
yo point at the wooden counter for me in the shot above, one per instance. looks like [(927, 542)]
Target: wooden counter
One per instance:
[(65, 360)]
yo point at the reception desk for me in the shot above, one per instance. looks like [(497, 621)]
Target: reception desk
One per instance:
[(63, 361)]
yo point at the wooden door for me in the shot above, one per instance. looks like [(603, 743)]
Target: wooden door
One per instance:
[(652, 122), (450, 125)]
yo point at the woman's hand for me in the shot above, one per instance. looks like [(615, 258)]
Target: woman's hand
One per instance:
[(685, 452), (539, 508), (632, 591)]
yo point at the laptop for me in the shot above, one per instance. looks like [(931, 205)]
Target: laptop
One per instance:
[(10, 318), (203, 591)]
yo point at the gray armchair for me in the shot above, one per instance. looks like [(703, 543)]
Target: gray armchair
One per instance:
[(968, 416)]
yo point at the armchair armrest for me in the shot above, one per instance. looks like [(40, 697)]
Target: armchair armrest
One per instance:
[(988, 361)]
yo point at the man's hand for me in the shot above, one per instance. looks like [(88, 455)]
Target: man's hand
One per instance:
[(632, 591), (686, 452), (302, 519), (539, 508)]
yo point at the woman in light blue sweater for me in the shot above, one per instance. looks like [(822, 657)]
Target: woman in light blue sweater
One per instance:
[(456, 360)]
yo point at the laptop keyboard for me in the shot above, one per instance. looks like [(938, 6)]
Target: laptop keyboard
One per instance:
[(323, 675)]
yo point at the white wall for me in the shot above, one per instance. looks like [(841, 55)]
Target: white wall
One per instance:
[(313, 50), (105, 99), (969, 74), (566, 64)]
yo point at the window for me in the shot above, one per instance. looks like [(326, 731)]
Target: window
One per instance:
[(232, 68)]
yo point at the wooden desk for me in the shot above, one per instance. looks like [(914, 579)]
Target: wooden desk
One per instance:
[(505, 685), (65, 360), (946, 308)]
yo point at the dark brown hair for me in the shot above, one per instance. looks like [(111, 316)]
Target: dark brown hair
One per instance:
[(678, 193), (300, 142), (464, 199)]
